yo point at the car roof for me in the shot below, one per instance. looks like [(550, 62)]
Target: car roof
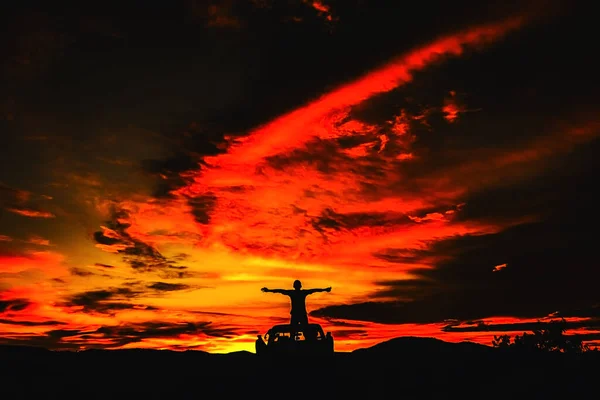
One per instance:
[(288, 328)]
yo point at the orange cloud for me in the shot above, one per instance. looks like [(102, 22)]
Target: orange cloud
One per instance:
[(45, 261)]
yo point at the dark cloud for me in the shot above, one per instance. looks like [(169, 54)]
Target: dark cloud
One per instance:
[(168, 287), (589, 312), (188, 146), (382, 312), (13, 305), (161, 329), (23, 202), (332, 220), (30, 323), (100, 238), (175, 272), (406, 290), (202, 206), (104, 265), (80, 272), (169, 172), (10, 196), (346, 333), (220, 14), (562, 198), (94, 296), (117, 336), (213, 313), (592, 324), (549, 262), (534, 283), (139, 255), (180, 257), (346, 324), (58, 334), (402, 256), (113, 299), (105, 301), (323, 155)]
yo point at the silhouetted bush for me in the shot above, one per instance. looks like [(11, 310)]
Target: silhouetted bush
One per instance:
[(552, 338)]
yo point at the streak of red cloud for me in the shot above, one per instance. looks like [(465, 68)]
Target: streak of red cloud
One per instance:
[(31, 213), (499, 267), (294, 129), (322, 8), (319, 6)]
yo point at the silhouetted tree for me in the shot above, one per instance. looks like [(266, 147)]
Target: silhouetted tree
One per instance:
[(502, 341), (551, 338)]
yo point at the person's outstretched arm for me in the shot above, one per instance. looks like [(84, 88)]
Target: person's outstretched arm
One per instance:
[(280, 291), (311, 291)]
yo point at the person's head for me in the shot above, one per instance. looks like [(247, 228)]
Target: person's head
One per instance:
[(297, 284)]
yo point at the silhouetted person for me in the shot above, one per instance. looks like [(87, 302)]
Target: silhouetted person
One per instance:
[(298, 299)]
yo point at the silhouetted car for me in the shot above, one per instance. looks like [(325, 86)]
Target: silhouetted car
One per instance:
[(300, 340)]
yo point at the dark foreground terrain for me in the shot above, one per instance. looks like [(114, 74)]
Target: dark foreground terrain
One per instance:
[(401, 368)]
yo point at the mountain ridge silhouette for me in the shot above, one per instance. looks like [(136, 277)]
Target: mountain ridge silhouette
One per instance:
[(415, 366)]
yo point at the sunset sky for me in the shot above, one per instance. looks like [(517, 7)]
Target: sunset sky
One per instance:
[(432, 163)]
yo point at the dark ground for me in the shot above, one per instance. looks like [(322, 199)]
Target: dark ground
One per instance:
[(401, 368)]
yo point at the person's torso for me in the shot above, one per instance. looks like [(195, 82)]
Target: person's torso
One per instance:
[(298, 298)]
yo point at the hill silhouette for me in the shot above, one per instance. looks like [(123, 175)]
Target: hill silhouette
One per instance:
[(415, 346), (417, 366)]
